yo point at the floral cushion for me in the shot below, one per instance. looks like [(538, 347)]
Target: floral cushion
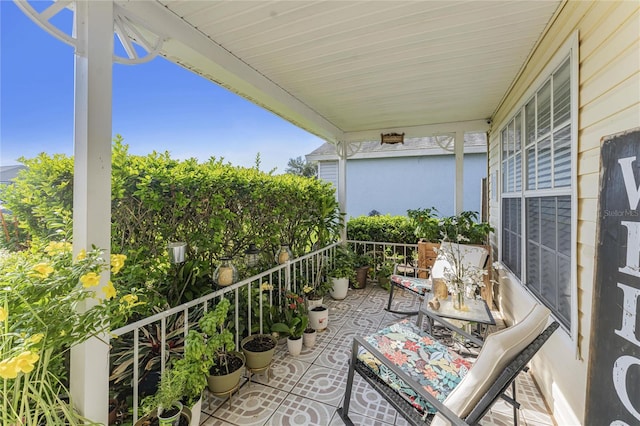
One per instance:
[(419, 286), (437, 369)]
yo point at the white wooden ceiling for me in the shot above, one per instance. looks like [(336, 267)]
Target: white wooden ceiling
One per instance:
[(352, 69)]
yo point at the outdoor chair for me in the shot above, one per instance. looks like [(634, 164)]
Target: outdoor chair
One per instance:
[(430, 384), (471, 256)]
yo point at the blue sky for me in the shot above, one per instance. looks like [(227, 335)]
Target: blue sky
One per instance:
[(156, 106)]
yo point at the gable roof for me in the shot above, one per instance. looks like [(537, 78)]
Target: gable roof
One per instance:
[(412, 147)]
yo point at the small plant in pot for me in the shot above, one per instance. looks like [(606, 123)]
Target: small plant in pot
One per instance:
[(341, 272), (167, 400), (296, 322), (226, 365), (362, 263)]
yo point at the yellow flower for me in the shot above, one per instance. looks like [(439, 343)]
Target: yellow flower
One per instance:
[(129, 299), (8, 369), (117, 262), (56, 247), (43, 270), (82, 255), (109, 290), (35, 339), (90, 279), (3, 314), (307, 289), (25, 361), (266, 287)]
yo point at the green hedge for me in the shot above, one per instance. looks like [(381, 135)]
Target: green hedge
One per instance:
[(387, 228), (218, 209)]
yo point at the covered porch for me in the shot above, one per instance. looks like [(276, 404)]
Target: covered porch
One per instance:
[(352, 71)]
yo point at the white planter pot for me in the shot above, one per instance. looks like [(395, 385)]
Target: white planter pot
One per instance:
[(309, 339), (294, 346), (312, 303), (319, 318), (340, 288), (196, 410)]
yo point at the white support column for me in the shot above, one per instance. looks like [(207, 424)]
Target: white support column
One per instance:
[(458, 148), (342, 183), (92, 185)]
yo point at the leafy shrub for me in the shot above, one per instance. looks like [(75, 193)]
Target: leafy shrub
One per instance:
[(387, 228)]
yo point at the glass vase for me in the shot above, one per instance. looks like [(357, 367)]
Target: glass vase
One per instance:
[(458, 301), (226, 273)]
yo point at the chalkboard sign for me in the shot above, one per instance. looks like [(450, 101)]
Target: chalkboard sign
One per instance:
[(613, 389)]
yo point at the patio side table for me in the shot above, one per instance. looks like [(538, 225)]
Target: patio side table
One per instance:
[(476, 311)]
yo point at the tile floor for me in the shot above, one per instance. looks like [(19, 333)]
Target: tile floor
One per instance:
[(307, 389)]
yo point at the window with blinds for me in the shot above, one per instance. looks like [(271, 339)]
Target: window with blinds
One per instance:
[(536, 193)]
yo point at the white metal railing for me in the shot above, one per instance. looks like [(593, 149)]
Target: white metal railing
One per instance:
[(406, 254), (289, 276)]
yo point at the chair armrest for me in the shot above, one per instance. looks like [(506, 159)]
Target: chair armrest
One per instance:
[(414, 268), (442, 409)]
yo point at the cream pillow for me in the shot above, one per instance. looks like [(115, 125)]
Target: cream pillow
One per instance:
[(498, 351)]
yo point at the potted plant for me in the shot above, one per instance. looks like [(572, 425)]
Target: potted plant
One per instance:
[(226, 364), (385, 268), (341, 272), (362, 264), (318, 288), (166, 404), (296, 322), (427, 228), (258, 350), (309, 337)]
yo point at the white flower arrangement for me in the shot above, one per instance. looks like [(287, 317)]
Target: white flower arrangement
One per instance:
[(459, 276)]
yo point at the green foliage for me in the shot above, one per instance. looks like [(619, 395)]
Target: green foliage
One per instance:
[(169, 392), (465, 228), (425, 223), (218, 209), (299, 166), (218, 337), (296, 318), (387, 228), (343, 263)]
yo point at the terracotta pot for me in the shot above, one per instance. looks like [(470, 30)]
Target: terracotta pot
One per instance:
[(361, 277), (258, 360)]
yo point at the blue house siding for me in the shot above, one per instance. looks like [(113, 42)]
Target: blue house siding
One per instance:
[(395, 185)]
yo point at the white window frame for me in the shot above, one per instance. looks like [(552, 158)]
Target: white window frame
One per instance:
[(568, 50)]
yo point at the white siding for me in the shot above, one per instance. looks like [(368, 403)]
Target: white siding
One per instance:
[(328, 172), (609, 102)]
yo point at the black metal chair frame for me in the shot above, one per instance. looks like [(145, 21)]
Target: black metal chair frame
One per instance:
[(497, 390), (416, 270)]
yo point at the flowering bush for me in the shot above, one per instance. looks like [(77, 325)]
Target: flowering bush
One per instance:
[(295, 314), (49, 303)]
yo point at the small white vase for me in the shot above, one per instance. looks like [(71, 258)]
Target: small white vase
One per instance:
[(294, 346), (196, 410), (340, 288), (309, 339)]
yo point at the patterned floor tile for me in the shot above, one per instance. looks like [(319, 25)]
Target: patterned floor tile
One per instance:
[(358, 420), (367, 402), (322, 384), (253, 406), (210, 402), (285, 373), (296, 410), (334, 356), (317, 389)]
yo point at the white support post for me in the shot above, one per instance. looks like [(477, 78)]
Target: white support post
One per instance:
[(458, 148), (92, 186), (342, 183)]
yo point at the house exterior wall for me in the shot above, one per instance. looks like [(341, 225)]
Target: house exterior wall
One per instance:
[(608, 103), (395, 185)]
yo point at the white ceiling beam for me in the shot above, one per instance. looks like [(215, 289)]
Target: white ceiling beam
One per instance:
[(187, 45), (421, 131)]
